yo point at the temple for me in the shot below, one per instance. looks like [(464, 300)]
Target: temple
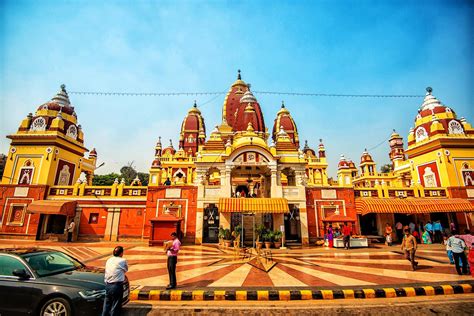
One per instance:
[(241, 173)]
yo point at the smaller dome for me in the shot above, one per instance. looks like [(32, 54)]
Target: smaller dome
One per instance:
[(194, 109), (239, 81), (343, 163), (93, 153), (352, 165), (248, 97), (366, 157), (307, 150)]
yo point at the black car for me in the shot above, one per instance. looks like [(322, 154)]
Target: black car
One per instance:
[(45, 282)]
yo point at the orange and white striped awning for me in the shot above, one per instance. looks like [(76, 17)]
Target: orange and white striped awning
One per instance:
[(253, 205), (412, 205)]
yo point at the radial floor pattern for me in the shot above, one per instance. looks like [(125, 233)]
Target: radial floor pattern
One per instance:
[(210, 267)]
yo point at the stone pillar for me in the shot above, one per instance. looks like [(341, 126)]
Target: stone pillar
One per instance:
[(112, 226), (226, 187), (304, 224), (199, 223)]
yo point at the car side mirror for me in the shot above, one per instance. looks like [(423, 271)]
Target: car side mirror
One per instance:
[(21, 273)]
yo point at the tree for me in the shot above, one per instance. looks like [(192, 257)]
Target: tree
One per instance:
[(386, 168), (144, 178), (128, 173), (105, 179)]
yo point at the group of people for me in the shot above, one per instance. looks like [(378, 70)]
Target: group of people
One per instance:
[(331, 233), (116, 267), (431, 232), (456, 244)]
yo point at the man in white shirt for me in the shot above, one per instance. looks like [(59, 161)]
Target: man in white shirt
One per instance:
[(70, 230), (115, 269), (457, 247)]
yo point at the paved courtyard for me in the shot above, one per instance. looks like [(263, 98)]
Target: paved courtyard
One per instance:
[(210, 267)]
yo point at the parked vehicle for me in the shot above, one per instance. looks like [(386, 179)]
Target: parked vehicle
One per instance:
[(35, 281)]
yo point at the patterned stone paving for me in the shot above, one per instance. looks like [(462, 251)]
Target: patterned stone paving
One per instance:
[(210, 267)]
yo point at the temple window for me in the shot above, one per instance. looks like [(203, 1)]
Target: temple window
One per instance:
[(421, 134), (455, 128), (39, 124), (72, 132)]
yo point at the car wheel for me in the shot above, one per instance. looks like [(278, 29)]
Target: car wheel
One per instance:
[(56, 307)]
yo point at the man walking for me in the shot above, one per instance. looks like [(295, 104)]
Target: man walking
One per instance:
[(457, 247), (409, 247), (115, 269), (172, 253), (70, 230), (346, 232)]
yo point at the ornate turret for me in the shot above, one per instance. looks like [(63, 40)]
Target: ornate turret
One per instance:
[(397, 153), (54, 134), (284, 119), (321, 149), (193, 131), (435, 118), (367, 164), (249, 112)]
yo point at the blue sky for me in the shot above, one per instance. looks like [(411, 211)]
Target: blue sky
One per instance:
[(354, 47)]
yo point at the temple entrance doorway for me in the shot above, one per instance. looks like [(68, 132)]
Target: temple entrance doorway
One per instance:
[(210, 227)]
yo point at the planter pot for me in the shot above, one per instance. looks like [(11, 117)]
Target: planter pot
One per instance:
[(277, 244), (268, 244), (227, 243)]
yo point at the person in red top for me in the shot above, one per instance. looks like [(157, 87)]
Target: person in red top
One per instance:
[(346, 232)]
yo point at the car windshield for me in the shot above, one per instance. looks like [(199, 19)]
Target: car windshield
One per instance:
[(48, 263)]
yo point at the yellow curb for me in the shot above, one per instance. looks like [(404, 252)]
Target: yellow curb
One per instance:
[(219, 295), (284, 295), (390, 292), (306, 294), (447, 289), (175, 295), (410, 291), (369, 293), (154, 295), (348, 293), (134, 295), (327, 294), (198, 295), (429, 290), (241, 295), (467, 288), (262, 295)]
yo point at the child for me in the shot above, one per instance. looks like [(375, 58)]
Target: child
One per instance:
[(426, 237), (388, 239)]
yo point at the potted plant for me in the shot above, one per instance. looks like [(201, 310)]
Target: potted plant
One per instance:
[(221, 235), (267, 237), (260, 230), (277, 235), (227, 237), (236, 235)]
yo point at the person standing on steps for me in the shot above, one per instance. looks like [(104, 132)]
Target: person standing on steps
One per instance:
[(172, 252), (115, 269), (409, 246)]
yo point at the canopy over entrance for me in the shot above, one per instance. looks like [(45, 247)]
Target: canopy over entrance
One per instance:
[(412, 205), (254, 205), (67, 208)]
